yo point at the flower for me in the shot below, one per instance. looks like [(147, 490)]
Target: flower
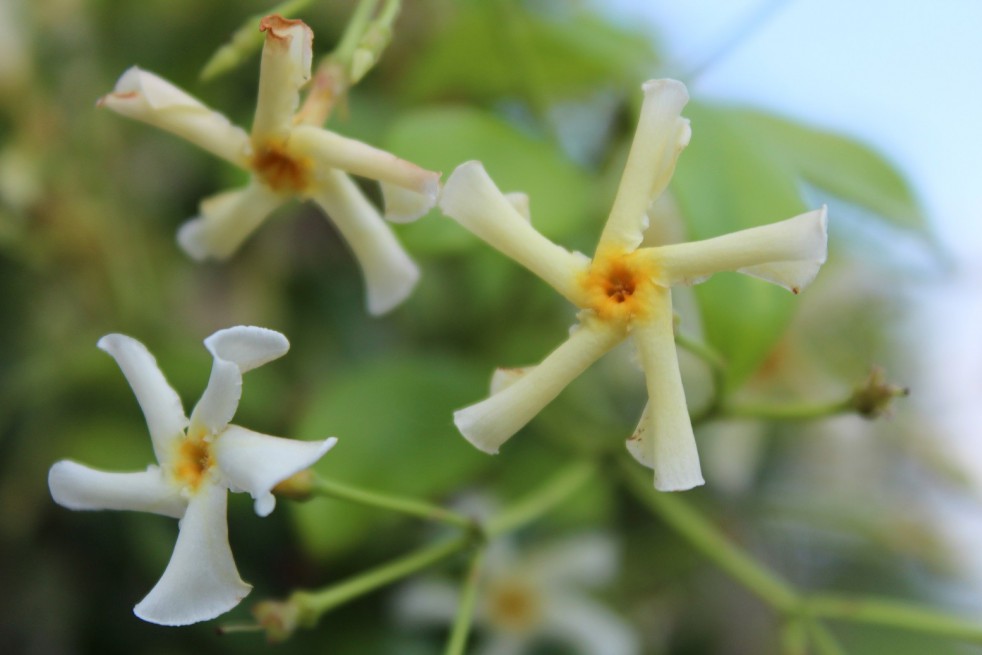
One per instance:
[(197, 461), (523, 599), (624, 290), (288, 157)]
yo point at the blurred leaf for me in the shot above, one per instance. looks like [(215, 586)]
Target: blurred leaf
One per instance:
[(527, 55), (393, 420), (727, 182), (562, 195), (837, 164)]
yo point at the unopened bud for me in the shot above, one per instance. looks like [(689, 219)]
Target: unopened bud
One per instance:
[(299, 486), (278, 618), (873, 398)]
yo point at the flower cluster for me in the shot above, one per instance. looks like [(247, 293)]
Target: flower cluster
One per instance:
[(622, 292)]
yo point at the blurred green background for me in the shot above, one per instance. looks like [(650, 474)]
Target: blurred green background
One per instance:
[(545, 94)]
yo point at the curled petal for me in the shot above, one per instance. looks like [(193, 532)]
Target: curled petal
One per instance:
[(248, 347), (226, 220), (491, 422), (284, 69), (220, 399), (589, 560), (390, 275), (661, 136), (502, 378), (404, 205), (473, 200), (160, 403), (520, 201), (256, 463), (664, 441), (332, 150), (146, 97), (788, 253), (200, 581), (79, 487)]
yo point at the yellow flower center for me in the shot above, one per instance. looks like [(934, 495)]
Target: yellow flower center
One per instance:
[(280, 170), (617, 286), (194, 459), (514, 606)]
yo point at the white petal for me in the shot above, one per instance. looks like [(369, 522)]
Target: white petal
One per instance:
[(235, 350), (332, 150), (146, 97), (247, 346), (226, 220), (491, 422), (588, 627), (390, 275), (256, 463), (788, 253), (427, 602), (472, 199), (79, 487), (667, 431), (587, 560), (520, 201), (503, 643), (160, 403), (201, 580), (502, 378), (404, 205), (661, 136), (284, 69)]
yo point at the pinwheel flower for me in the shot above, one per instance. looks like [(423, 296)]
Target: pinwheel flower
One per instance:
[(198, 461), (288, 158), (527, 598), (624, 290)]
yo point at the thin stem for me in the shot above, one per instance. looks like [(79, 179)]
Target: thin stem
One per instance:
[(712, 543), (355, 29), (894, 614), (825, 642), (703, 351), (457, 643), (341, 491), (790, 412), (794, 637), (313, 604), (556, 490)]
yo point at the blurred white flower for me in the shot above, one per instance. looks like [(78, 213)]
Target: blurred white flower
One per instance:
[(288, 157), (526, 598), (625, 290), (197, 461)]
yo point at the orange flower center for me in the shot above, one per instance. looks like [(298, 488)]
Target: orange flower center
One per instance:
[(280, 170), (617, 286), (194, 459), (514, 606)]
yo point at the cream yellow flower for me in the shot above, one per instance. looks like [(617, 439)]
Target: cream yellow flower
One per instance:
[(288, 158), (624, 290)]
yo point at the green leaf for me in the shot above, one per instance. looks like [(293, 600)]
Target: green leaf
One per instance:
[(726, 182), (834, 163), (492, 50), (563, 196), (393, 420)]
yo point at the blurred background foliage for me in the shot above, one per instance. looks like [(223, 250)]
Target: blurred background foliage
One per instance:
[(545, 94)]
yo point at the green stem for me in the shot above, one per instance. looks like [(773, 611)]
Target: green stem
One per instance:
[(313, 604), (355, 29), (792, 412), (794, 637), (341, 491), (465, 611), (894, 614), (552, 493), (712, 543), (703, 351), (825, 642)]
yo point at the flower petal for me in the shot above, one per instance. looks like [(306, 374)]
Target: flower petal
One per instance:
[(491, 422), (661, 136), (788, 253), (284, 69), (666, 434), (200, 581), (427, 602), (404, 205), (79, 487), (256, 463), (330, 150), (588, 560), (226, 220), (390, 275), (160, 403), (146, 97), (588, 627), (235, 351), (473, 200)]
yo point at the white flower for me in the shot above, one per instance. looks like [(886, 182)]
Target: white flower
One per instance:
[(523, 599), (197, 461), (288, 158), (625, 290)]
